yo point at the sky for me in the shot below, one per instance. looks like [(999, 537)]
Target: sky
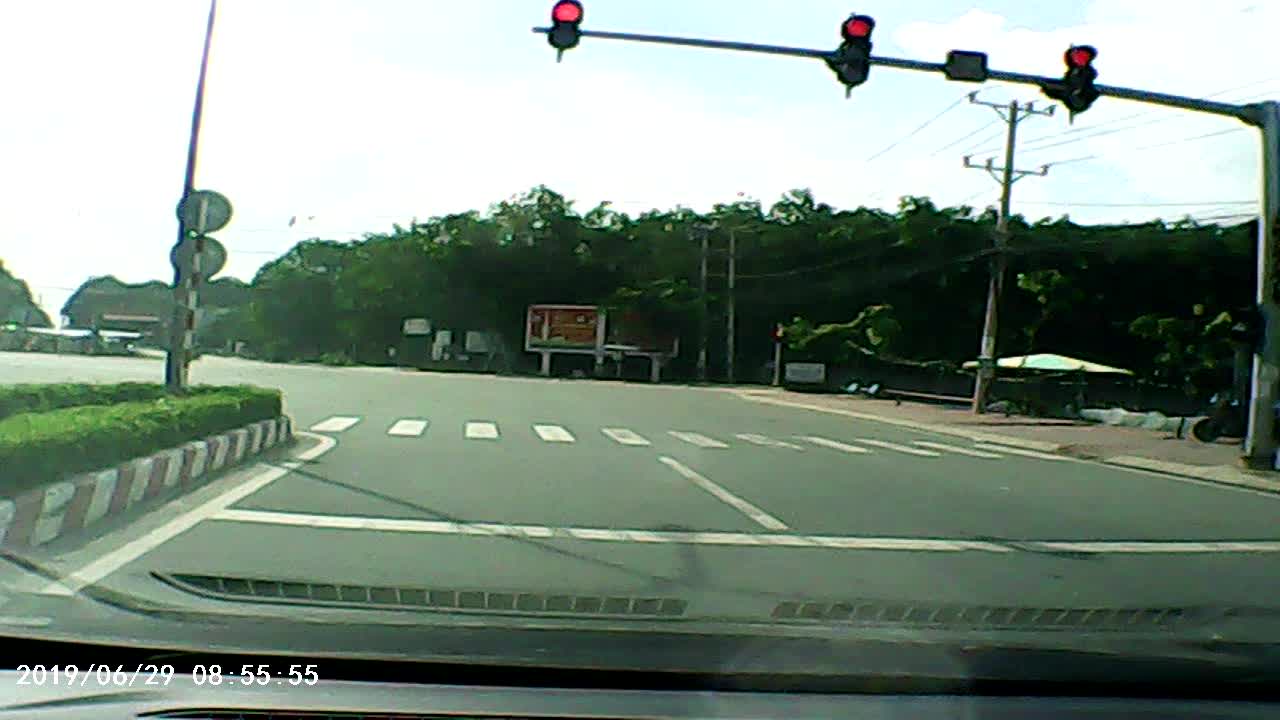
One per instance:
[(351, 115)]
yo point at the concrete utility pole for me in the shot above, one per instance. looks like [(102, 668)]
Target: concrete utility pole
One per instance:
[(178, 361), (1011, 114)]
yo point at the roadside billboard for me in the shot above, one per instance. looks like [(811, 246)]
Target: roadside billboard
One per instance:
[(564, 328), (639, 334)]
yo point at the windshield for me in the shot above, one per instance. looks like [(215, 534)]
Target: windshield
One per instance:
[(946, 322)]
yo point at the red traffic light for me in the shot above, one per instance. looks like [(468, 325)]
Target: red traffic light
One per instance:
[(567, 11), (1079, 56), (857, 27)]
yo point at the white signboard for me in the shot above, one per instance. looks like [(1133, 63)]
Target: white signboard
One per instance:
[(417, 326), (806, 372)]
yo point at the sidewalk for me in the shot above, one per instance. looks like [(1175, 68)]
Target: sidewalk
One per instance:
[(1129, 447)]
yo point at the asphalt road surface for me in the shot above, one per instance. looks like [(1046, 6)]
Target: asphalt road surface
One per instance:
[(470, 482)]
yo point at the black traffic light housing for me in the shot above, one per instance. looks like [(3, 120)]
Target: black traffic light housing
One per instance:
[(1075, 89), (565, 34), (852, 62)]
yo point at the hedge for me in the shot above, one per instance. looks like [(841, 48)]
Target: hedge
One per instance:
[(36, 447), (16, 399)]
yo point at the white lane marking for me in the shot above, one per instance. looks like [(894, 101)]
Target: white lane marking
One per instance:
[(836, 542), (408, 428), (553, 434), (957, 450), (842, 447), (728, 498), (765, 441), (92, 572), (701, 441), (1019, 451), (625, 437), (898, 448), (336, 424), (481, 431)]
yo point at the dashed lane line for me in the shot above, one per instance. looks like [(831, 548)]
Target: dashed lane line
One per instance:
[(481, 431), (623, 436), (835, 445), (408, 428), (335, 424), (957, 450), (899, 448), (697, 439), (553, 434)]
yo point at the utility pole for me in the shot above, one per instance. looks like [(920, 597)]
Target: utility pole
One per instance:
[(701, 233), (1011, 114), (731, 333), (178, 361), (1259, 450)]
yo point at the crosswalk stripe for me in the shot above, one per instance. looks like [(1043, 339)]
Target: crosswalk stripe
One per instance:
[(958, 450), (337, 423), (764, 441), (898, 448), (696, 439), (481, 431), (843, 447), (553, 433), (625, 437), (1019, 451), (408, 428)]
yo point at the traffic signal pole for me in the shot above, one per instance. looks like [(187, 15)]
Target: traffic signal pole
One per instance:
[(1260, 444), (185, 284), (1011, 114)]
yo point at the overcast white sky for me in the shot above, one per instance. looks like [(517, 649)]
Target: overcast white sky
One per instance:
[(361, 113)]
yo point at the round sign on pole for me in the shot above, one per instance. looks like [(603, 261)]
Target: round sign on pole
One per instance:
[(212, 260), (204, 211)]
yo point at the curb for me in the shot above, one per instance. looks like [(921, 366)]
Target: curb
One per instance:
[(1219, 474), (61, 508)]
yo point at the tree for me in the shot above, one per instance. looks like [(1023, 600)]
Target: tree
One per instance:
[(16, 303)]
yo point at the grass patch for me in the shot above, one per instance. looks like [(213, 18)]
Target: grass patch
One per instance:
[(36, 447)]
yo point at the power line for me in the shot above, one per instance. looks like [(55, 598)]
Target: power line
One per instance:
[(1142, 204), (924, 125), (962, 138)]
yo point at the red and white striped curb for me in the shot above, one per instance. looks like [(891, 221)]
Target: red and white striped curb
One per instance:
[(40, 516)]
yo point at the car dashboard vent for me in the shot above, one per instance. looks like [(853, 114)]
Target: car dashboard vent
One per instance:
[(242, 589), (994, 617)]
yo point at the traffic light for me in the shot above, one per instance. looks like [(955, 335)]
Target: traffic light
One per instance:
[(1076, 89), (566, 16), (852, 62)]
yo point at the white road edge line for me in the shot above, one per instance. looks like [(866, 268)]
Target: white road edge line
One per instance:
[(88, 574), (737, 503), (693, 537)]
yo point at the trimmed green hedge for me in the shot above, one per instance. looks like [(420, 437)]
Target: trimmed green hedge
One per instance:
[(36, 447), (16, 399)]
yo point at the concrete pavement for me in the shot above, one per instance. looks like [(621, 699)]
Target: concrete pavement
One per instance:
[(512, 484)]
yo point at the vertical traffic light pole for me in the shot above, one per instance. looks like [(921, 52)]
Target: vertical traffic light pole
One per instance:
[(178, 359), (1077, 90), (1260, 443)]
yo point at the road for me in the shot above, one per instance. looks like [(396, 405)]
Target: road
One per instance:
[(518, 485)]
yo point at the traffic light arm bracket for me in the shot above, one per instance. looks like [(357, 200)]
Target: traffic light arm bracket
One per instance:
[(1246, 113)]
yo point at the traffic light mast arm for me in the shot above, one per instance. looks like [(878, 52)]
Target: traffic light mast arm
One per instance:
[(1246, 113)]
